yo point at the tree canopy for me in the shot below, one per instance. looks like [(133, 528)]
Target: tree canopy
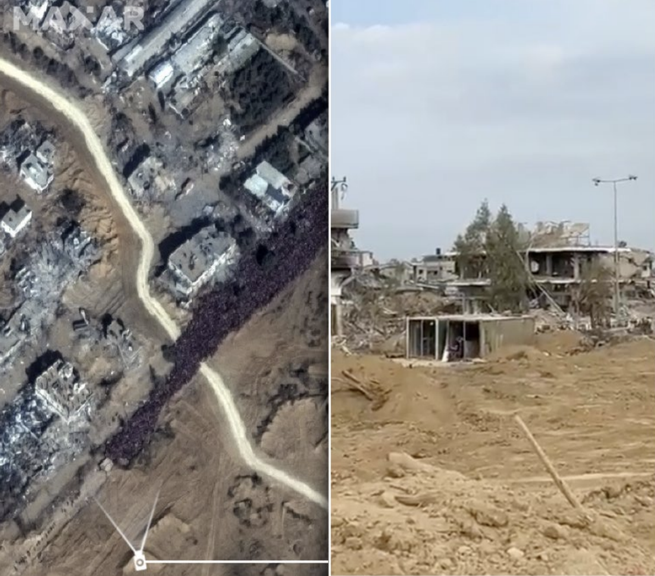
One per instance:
[(491, 248)]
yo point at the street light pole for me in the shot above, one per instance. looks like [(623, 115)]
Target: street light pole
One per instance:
[(614, 182)]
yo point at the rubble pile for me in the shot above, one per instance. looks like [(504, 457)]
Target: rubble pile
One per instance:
[(375, 309)]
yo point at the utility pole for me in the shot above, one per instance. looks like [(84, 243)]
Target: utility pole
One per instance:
[(614, 182)]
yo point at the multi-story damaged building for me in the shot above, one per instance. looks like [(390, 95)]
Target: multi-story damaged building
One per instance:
[(555, 258), (345, 257), (61, 389), (200, 258)]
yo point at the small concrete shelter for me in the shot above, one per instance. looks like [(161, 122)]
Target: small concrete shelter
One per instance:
[(464, 336)]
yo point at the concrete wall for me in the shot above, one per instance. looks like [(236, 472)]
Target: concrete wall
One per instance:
[(496, 333)]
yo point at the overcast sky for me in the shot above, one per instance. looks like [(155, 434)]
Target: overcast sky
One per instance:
[(437, 105)]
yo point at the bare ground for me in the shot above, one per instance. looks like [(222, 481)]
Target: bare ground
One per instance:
[(467, 488)]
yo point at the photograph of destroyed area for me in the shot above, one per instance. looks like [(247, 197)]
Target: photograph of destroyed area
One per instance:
[(492, 287), (164, 300)]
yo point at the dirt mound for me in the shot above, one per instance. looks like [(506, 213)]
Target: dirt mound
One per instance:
[(369, 389), (422, 519), (560, 342)]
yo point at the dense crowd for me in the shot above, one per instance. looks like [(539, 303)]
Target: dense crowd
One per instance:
[(256, 282)]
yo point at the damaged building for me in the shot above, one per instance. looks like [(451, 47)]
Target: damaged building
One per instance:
[(61, 389), (344, 256), (149, 179), (37, 168), (555, 257), (134, 56), (180, 75), (204, 256), (44, 428)]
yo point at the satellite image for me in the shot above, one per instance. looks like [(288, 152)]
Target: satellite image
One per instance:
[(163, 287)]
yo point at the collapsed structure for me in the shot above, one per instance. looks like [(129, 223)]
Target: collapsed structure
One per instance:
[(42, 429)]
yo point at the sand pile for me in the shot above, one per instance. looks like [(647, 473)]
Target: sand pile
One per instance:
[(421, 519), (385, 392)]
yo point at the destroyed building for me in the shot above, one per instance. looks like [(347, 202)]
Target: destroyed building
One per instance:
[(272, 188), (43, 428), (15, 217), (13, 332), (199, 259), (49, 268), (118, 336), (148, 179), (37, 174), (109, 31), (61, 389)]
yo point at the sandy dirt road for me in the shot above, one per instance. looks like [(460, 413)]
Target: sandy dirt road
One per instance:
[(76, 116)]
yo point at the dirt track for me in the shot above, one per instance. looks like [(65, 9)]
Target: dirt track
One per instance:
[(593, 413)]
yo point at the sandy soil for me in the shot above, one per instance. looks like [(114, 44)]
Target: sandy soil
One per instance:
[(463, 492)]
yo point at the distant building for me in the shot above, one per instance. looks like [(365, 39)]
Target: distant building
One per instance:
[(199, 258), (271, 187), (61, 389), (37, 174), (16, 218)]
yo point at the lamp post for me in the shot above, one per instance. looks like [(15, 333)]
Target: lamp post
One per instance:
[(614, 182)]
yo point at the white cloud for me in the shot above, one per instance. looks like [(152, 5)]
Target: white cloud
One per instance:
[(430, 118)]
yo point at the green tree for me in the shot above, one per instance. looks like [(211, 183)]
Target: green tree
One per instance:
[(471, 245), (506, 269), (490, 248)]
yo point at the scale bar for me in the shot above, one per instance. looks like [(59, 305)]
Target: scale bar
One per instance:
[(237, 561)]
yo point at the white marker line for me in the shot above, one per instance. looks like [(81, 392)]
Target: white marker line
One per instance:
[(237, 561), (152, 513), (115, 525)]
